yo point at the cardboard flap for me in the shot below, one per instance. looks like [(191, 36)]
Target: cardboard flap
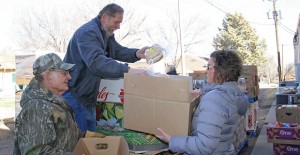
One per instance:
[(174, 88), (109, 145)]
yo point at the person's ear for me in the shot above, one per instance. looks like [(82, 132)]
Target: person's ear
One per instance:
[(47, 75), (104, 17)]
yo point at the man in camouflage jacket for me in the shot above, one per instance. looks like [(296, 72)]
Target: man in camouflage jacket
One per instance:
[(46, 125)]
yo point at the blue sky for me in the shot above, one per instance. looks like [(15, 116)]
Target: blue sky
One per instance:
[(213, 11)]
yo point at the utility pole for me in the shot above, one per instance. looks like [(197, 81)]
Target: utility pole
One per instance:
[(275, 17), (180, 42), (282, 64)]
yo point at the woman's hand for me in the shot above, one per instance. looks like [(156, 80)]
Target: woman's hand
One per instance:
[(164, 136), (196, 92)]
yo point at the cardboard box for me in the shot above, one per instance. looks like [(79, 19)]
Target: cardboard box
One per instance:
[(175, 88), (109, 145), (152, 102), (147, 114), (111, 90), (250, 80), (252, 92), (251, 116), (288, 113), (249, 70), (283, 135), (286, 149)]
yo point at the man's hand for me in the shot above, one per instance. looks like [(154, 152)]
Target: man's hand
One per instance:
[(141, 52), (164, 136), (137, 71)]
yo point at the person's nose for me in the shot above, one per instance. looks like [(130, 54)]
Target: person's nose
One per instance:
[(69, 76), (118, 26)]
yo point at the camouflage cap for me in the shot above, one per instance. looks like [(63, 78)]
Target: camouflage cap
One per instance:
[(50, 61)]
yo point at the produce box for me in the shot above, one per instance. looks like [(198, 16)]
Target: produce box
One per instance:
[(137, 141), (111, 90), (286, 149), (288, 113), (283, 135), (109, 145), (109, 114)]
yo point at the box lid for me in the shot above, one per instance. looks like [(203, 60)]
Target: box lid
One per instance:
[(174, 88)]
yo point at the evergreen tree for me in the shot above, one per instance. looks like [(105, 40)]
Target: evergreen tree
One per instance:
[(238, 35)]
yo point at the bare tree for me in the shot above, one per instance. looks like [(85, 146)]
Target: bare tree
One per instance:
[(268, 71), (52, 28), (42, 30), (168, 34), (289, 70)]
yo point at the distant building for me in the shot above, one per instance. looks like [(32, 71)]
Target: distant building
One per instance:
[(24, 68), (7, 75), (193, 63)]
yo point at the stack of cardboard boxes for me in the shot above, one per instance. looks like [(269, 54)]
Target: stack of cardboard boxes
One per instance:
[(248, 82), (110, 117), (285, 133)]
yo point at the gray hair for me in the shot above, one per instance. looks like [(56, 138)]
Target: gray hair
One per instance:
[(111, 9)]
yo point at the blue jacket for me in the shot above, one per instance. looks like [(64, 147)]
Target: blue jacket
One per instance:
[(214, 122), (94, 61)]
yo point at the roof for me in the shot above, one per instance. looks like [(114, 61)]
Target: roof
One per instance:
[(24, 65)]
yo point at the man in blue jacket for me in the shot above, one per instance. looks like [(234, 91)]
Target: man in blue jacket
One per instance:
[(94, 50)]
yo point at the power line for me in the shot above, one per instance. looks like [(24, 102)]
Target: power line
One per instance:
[(286, 29), (227, 12), (215, 7)]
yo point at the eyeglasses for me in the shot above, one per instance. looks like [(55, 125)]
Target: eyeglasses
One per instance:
[(209, 67), (65, 72)]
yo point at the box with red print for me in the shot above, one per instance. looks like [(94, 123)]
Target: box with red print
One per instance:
[(110, 99), (111, 90), (251, 117)]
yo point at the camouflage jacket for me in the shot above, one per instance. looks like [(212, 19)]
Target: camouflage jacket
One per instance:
[(45, 124)]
